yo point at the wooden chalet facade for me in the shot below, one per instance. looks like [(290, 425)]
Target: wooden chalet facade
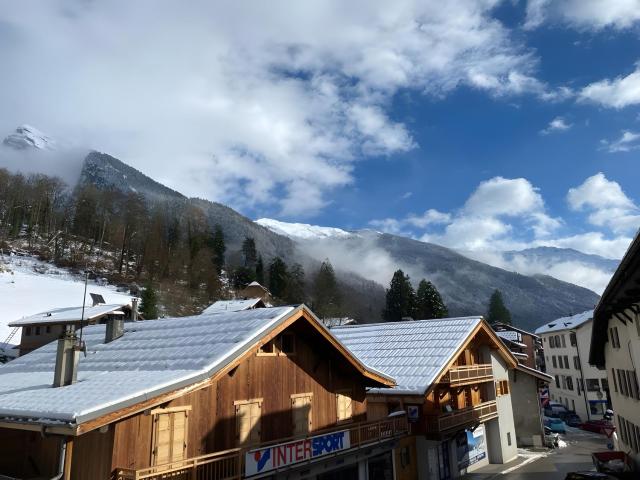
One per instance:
[(283, 399), (450, 396)]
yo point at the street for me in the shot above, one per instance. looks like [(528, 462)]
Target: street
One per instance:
[(575, 456)]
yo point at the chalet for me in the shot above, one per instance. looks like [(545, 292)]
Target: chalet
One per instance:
[(452, 380), (265, 392), (255, 290), (45, 327), (234, 305), (615, 346)]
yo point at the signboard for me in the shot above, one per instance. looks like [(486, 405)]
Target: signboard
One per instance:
[(413, 413), (266, 459), (470, 447)]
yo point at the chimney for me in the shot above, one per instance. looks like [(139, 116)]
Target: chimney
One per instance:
[(134, 308), (115, 328), (67, 356)]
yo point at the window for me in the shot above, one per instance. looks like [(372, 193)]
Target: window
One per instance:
[(287, 344), (573, 405), (37, 330), (301, 413), (169, 441), (268, 349), (248, 421), (570, 383), (566, 361), (553, 360), (576, 363), (615, 380), (552, 342), (557, 381), (605, 384), (593, 385), (502, 387), (48, 329), (564, 342), (613, 336), (509, 438), (557, 341), (27, 331), (572, 339), (344, 405), (579, 386)]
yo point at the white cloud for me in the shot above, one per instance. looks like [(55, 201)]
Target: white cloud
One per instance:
[(252, 104), (617, 93), (595, 243), (430, 217), (628, 141), (607, 204), (558, 124), (504, 196), (584, 14)]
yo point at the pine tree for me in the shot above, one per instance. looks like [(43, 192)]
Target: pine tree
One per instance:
[(260, 271), (498, 312), (429, 303), (327, 301), (243, 276), (249, 252), (401, 298), (149, 302), (295, 285), (219, 248), (278, 277)]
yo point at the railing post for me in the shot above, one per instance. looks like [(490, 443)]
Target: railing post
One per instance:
[(194, 469)]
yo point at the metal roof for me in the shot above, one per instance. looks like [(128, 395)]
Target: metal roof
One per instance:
[(509, 335), (566, 323), (233, 305), (69, 315), (412, 352), (151, 358)]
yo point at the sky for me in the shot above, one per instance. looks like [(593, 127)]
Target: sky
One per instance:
[(480, 125)]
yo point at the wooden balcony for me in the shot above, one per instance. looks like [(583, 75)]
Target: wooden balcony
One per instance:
[(458, 419), (230, 464), (468, 374)]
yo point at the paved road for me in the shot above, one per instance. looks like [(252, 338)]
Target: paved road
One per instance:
[(575, 456)]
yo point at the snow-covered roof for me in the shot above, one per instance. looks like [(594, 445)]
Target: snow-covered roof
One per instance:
[(152, 357), (412, 352), (233, 305), (70, 314), (566, 323), (509, 335), (536, 373)]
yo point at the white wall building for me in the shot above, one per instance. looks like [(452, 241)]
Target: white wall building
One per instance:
[(576, 384), (615, 346)]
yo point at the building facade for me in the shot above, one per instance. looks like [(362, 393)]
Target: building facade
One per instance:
[(260, 393), (526, 346), (615, 347), (453, 382), (576, 384)]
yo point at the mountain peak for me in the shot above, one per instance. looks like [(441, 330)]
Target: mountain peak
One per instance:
[(27, 136), (302, 231)]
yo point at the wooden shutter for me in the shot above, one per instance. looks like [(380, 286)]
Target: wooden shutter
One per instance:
[(248, 421), (301, 413), (170, 430), (344, 405)]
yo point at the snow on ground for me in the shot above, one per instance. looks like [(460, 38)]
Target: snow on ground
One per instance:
[(29, 286), (302, 230)]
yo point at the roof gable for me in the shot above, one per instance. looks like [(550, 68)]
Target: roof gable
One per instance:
[(566, 323)]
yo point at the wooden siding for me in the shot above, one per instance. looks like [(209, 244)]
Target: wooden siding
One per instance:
[(91, 455), (315, 368), (29, 454)]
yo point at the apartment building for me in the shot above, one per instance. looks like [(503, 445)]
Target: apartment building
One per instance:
[(576, 384), (615, 346)]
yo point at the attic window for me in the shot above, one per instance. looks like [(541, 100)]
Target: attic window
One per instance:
[(268, 348), (287, 344)]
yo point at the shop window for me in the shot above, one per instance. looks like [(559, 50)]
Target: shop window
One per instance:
[(344, 405), (248, 414)]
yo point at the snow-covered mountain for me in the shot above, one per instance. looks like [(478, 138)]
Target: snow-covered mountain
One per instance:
[(303, 230), (26, 137), (465, 284)]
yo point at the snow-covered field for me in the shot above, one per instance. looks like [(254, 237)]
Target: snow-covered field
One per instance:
[(29, 286)]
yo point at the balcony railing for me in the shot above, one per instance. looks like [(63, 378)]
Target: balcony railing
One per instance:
[(463, 417), (229, 464), (468, 374)]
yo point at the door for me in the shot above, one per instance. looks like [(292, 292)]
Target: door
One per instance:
[(301, 413), (170, 428)]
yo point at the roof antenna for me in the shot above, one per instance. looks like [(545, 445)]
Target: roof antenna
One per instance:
[(80, 345)]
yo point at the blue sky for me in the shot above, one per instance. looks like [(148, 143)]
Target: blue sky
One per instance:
[(482, 125)]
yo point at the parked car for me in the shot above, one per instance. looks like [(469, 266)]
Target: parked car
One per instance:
[(556, 425), (596, 425), (572, 419), (554, 409), (551, 440)]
